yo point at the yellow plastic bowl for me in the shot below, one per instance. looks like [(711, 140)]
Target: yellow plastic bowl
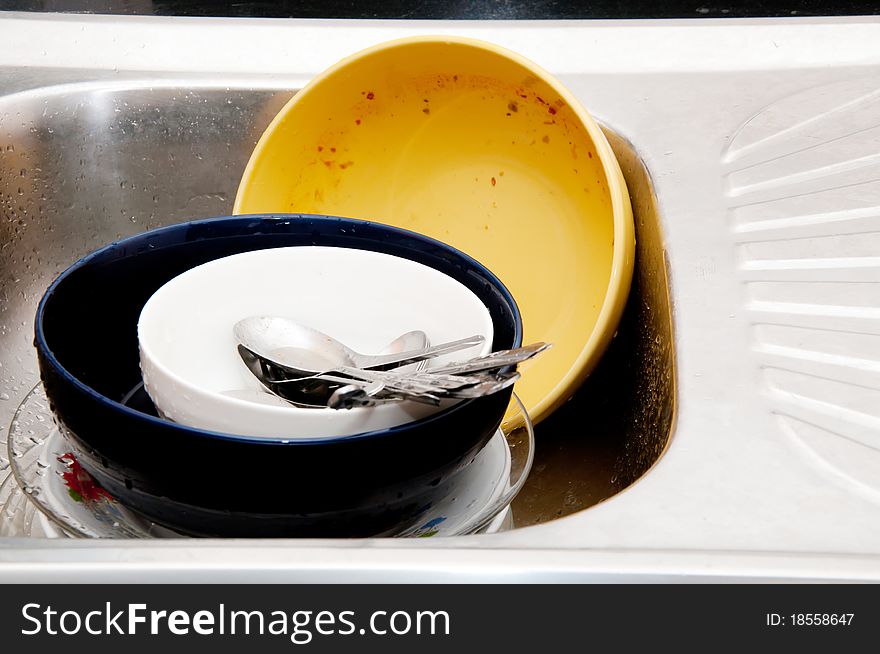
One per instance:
[(478, 147)]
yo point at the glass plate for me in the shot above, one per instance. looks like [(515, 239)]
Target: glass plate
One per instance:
[(40, 467)]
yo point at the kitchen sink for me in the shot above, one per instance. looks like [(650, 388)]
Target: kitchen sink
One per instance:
[(731, 430), (82, 165)]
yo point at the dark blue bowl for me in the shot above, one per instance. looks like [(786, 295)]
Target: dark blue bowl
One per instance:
[(215, 484)]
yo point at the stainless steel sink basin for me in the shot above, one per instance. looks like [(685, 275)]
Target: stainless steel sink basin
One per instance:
[(82, 165)]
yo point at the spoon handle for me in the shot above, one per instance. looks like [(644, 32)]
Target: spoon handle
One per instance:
[(499, 359), (385, 361), (492, 384)]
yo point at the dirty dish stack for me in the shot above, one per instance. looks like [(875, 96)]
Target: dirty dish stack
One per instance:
[(421, 184), (206, 482)]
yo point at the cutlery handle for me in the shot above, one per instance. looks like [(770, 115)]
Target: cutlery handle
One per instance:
[(498, 359), (385, 361)]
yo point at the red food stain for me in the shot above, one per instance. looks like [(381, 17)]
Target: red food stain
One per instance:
[(426, 111), (590, 154), (357, 121), (370, 95), (320, 148), (332, 149), (346, 164), (551, 111), (80, 484)]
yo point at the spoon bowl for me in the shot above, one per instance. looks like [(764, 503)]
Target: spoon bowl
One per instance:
[(412, 340), (299, 346)]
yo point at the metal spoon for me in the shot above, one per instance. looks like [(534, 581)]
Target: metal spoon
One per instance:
[(308, 389), (413, 340), (285, 341), (345, 387)]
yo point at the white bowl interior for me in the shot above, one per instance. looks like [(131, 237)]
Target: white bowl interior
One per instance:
[(363, 299)]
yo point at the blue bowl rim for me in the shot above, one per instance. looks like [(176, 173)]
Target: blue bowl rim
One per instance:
[(43, 347)]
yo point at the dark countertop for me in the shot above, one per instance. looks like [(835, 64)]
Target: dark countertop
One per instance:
[(451, 9)]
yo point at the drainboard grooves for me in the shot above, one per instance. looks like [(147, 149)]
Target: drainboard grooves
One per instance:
[(846, 221), (859, 372), (845, 269), (858, 427), (804, 115), (803, 180)]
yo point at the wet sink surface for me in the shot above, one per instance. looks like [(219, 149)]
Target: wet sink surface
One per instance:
[(84, 165)]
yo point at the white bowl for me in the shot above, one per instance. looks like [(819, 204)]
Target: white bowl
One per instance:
[(364, 299)]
